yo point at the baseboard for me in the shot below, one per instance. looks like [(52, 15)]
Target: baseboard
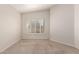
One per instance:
[(4, 48), (35, 36), (63, 43), (76, 46), (34, 39)]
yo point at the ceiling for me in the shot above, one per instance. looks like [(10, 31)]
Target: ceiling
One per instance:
[(31, 7)]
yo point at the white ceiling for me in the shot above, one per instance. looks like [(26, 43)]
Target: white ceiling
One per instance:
[(31, 7)]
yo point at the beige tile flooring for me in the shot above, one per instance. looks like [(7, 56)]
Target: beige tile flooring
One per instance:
[(41, 46)]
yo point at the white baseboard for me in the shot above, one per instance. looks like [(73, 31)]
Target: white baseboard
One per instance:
[(63, 43), (4, 48)]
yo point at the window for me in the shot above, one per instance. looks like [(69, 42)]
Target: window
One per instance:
[(36, 26)]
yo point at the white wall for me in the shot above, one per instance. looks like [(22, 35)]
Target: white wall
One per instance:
[(76, 21), (9, 26), (62, 24), (26, 17)]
